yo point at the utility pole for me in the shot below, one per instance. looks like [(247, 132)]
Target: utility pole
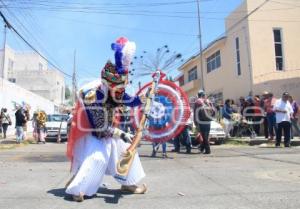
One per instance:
[(74, 81), (6, 24), (200, 45), (3, 53)]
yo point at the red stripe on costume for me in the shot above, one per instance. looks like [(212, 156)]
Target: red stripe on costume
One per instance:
[(80, 127)]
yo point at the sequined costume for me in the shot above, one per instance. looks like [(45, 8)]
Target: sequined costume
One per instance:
[(95, 145)]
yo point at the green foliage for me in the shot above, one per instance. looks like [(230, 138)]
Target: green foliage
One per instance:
[(67, 92)]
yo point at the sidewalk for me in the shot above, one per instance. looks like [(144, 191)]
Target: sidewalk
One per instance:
[(10, 141)]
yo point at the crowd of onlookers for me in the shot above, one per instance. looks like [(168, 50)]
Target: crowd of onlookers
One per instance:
[(22, 117), (275, 116), (254, 115)]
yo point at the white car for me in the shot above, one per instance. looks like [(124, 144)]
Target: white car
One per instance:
[(216, 134), (56, 125)]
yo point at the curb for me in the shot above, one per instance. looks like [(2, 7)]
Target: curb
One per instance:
[(256, 142)]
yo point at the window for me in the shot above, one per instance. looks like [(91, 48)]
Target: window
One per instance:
[(213, 62), (193, 74), (216, 97), (10, 66), (40, 66), (181, 80), (13, 80), (238, 57), (278, 49)]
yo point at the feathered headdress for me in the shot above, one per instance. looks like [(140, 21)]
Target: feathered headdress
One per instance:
[(117, 73)]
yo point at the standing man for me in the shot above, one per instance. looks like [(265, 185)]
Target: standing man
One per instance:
[(284, 111), (20, 120), (271, 118), (294, 119), (203, 113)]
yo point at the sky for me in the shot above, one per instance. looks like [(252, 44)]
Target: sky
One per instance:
[(57, 28)]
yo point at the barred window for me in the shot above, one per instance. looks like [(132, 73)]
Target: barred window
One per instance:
[(213, 62), (193, 74), (278, 49)]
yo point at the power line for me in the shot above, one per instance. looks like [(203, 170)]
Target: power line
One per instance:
[(144, 13), (89, 5), (285, 3), (247, 16), (123, 27), (27, 31), (32, 47)]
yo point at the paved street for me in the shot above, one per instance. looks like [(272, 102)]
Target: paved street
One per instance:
[(33, 176)]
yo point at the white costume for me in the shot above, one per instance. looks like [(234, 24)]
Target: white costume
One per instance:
[(93, 158)]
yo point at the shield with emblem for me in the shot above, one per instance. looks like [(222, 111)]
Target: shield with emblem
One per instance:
[(168, 114)]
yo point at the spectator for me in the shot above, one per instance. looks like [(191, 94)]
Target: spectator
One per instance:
[(6, 121), (284, 111), (294, 119), (227, 117), (242, 105), (27, 118), (203, 112), (20, 120), (262, 105), (258, 115), (249, 115), (1, 121), (34, 125), (155, 147), (184, 137), (271, 118)]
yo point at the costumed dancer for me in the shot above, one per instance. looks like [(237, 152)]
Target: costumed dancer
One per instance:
[(41, 119), (95, 145)]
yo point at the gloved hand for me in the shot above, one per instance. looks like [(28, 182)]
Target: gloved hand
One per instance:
[(118, 133), (127, 137)]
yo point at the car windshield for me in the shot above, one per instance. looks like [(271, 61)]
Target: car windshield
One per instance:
[(57, 118)]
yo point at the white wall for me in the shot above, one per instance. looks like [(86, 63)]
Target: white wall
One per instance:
[(10, 93), (46, 82)]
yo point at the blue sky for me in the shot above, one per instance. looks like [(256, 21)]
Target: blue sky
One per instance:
[(57, 28)]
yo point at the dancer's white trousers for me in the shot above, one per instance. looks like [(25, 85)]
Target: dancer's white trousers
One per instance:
[(93, 158)]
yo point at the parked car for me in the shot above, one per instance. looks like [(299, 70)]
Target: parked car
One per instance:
[(216, 134), (56, 126)]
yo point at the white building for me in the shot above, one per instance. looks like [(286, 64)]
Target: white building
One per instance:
[(30, 71)]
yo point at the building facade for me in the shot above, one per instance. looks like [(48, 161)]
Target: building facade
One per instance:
[(30, 71), (257, 53)]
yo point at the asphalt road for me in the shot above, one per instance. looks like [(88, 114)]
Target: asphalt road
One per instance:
[(233, 177)]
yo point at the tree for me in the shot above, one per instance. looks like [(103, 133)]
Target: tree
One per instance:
[(67, 93)]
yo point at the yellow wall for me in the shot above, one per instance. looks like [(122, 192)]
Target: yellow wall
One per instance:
[(262, 48), (257, 53)]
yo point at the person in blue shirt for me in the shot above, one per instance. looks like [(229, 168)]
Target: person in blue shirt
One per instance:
[(227, 112)]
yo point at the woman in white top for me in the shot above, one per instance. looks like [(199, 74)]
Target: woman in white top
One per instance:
[(5, 121)]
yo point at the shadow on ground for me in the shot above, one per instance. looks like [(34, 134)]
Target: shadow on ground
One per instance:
[(111, 196)]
